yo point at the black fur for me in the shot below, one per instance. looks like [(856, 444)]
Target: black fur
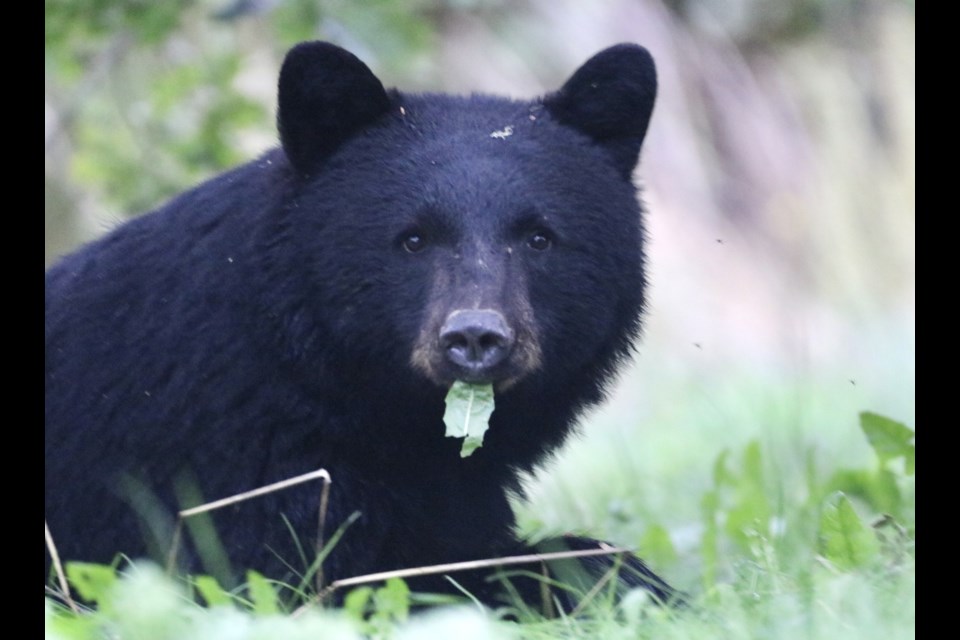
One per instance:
[(279, 318)]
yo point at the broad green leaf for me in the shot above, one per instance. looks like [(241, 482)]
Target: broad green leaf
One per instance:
[(355, 602), (469, 407), (211, 591), (92, 581), (889, 438), (393, 600), (844, 539), (262, 594), (878, 488)]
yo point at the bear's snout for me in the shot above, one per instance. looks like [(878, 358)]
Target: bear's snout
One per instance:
[(475, 341)]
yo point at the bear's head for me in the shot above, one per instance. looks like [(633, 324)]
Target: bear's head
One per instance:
[(471, 238)]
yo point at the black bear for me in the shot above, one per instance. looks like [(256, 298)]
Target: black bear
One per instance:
[(311, 309)]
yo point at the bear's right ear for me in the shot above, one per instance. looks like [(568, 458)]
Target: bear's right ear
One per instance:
[(326, 94)]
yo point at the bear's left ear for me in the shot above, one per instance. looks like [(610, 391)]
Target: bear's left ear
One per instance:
[(326, 94), (610, 98)]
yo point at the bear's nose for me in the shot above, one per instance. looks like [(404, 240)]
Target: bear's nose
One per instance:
[(475, 341)]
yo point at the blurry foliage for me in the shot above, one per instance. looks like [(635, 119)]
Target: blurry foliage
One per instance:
[(763, 549), (853, 519), (141, 154), (143, 99), (78, 24), (757, 22)]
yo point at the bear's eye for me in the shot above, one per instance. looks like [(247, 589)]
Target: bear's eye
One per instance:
[(414, 243), (539, 241)]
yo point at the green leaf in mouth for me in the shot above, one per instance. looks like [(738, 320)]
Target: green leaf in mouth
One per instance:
[(469, 407)]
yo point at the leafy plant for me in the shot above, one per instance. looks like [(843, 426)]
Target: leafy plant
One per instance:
[(765, 573)]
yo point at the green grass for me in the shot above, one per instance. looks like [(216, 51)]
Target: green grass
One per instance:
[(780, 541)]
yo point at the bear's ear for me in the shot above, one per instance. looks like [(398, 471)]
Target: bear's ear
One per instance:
[(610, 98), (326, 94)]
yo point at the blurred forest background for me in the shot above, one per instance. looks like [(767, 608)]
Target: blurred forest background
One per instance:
[(778, 174)]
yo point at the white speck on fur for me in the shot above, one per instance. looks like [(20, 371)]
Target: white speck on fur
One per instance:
[(504, 133)]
